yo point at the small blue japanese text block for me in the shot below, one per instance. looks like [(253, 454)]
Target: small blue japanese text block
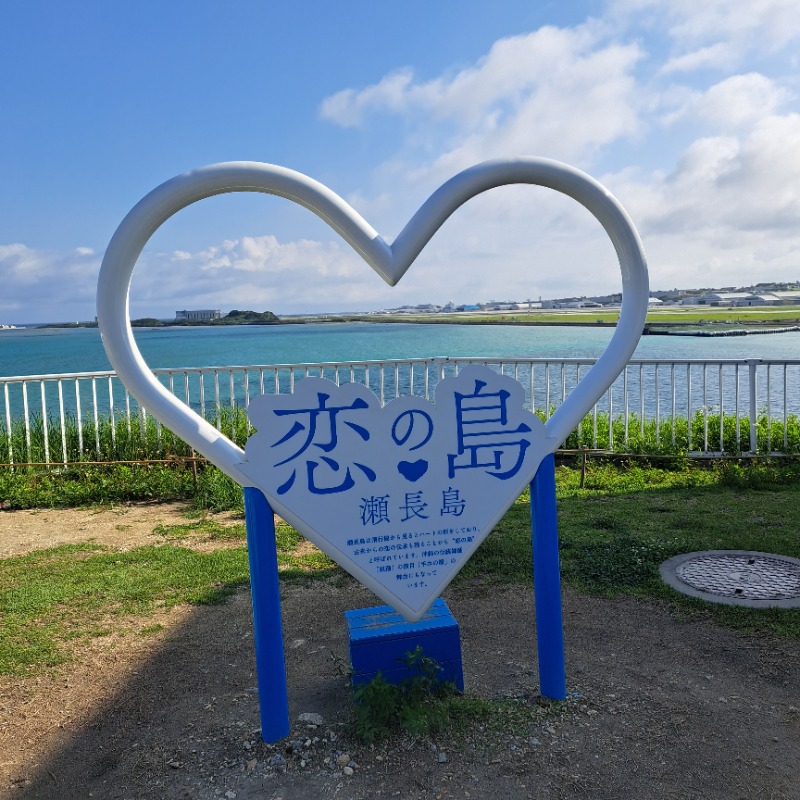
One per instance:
[(380, 640)]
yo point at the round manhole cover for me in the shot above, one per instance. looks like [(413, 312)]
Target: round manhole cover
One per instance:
[(737, 577)]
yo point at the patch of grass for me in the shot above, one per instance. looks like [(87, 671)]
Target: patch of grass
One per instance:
[(70, 487), (616, 531), (150, 630), (205, 529), (215, 491), (613, 565), (505, 555), (50, 597), (614, 536), (299, 560)]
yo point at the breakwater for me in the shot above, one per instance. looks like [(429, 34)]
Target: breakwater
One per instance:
[(653, 331)]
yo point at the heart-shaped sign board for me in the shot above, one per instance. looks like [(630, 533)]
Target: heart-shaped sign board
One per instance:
[(400, 496)]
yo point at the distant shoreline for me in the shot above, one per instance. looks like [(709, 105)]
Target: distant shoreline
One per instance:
[(695, 322)]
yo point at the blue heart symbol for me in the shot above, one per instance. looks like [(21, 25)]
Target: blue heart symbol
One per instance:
[(413, 470)]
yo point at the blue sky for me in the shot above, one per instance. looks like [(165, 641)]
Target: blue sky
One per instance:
[(688, 112)]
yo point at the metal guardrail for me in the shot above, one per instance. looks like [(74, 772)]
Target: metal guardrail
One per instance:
[(745, 393)]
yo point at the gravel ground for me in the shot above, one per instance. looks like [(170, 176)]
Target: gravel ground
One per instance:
[(660, 707)]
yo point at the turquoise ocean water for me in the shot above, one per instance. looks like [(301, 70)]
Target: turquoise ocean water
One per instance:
[(43, 351), (47, 351)]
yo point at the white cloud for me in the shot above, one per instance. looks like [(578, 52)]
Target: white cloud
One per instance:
[(254, 272), (741, 100), (534, 93), (738, 102), (751, 182), (42, 282), (730, 211), (763, 25), (721, 55), (348, 107), (709, 168)]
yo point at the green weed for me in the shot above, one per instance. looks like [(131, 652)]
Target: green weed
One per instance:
[(423, 705), (416, 705)]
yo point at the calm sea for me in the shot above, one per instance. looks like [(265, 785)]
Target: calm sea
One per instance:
[(46, 351)]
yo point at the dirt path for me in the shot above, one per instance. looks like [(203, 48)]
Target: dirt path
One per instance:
[(661, 707), (121, 526)]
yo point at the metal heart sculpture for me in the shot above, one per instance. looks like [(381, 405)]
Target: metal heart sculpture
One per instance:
[(424, 480)]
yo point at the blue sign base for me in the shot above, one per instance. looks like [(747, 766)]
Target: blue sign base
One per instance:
[(380, 636), (380, 640)]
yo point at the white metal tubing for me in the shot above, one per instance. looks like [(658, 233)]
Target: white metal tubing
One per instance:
[(752, 373), (674, 398), (625, 402), (785, 406), (110, 412), (547, 391), (594, 417), (96, 418), (769, 414), (249, 427), (705, 407), (44, 424), (62, 420), (27, 420), (8, 425), (390, 262), (689, 404), (721, 413), (641, 401), (736, 406), (611, 417), (658, 406), (203, 394)]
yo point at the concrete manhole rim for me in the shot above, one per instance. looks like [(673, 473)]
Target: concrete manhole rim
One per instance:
[(668, 571)]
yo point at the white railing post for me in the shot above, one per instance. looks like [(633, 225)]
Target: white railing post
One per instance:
[(752, 364), (8, 426), (21, 393)]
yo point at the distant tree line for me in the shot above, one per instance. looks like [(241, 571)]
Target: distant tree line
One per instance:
[(235, 317)]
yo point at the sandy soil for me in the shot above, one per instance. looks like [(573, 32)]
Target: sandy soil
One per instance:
[(661, 707), (121, 526)]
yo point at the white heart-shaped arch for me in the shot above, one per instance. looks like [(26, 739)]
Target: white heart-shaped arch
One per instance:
[(389, 261)]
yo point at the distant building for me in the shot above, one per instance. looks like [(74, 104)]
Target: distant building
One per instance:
[(721, 298), (766, 299), (199, 314), (576, 303), (787, 298)]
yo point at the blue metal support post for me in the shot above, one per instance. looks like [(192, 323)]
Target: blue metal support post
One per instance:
[(267, 623), (547, 582)]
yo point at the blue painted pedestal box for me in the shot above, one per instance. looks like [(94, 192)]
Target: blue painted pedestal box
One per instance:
[(380, 639)]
